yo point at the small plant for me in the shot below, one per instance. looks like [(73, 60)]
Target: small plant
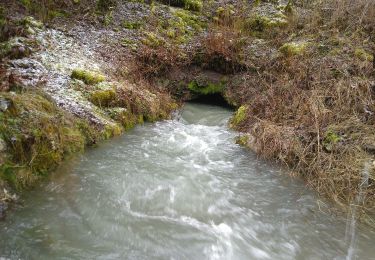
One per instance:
[(330, 139), (131, 25)]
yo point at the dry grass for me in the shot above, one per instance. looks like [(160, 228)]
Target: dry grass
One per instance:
[(316, 112)]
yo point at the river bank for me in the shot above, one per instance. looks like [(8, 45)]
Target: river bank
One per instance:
[(59, 94)]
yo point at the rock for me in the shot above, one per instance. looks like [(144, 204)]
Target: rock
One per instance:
[(16, 48), (26, 73), (370, 148), (5, 104)]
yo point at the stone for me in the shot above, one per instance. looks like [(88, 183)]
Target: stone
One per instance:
[(5, 104)]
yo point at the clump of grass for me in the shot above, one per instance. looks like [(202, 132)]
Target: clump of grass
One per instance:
[(363, 55), (103, 98), (193, 5), (89, 77), (293, 48), (239, 116), (131, 25)]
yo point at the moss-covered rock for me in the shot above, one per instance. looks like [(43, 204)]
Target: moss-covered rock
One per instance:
[(17, 48), (89, 77)]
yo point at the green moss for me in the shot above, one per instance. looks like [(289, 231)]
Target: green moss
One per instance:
[(293, 48), (193, 5), (330, 139), (111, 130), (189, 20), (182, 26), (239, 116), (129, 43), (89, 77), (38, 136), (206, 89), (152, 40), (108, 18), (103, 98), (31, 22), (242, 140), (363, 55), (131, 25), (127, 119)]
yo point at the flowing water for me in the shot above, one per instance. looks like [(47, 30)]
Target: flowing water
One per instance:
[(178, 189)]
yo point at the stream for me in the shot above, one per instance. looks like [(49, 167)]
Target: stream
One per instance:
[(177, 189)]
